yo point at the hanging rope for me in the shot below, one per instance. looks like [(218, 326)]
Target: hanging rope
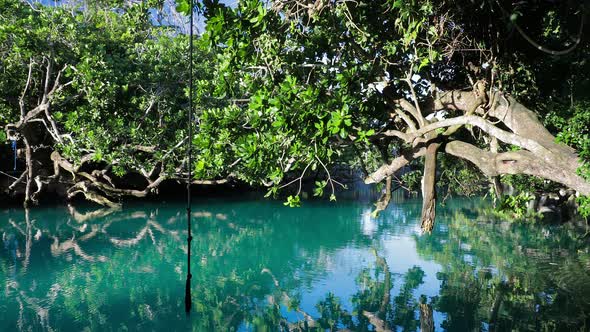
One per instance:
[(187, 296)]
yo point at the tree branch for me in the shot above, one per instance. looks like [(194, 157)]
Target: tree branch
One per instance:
[(21, 101), (489, 128), (397, 163), (519, 162)]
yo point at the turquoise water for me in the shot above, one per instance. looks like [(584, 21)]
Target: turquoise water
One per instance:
[(258, 265)]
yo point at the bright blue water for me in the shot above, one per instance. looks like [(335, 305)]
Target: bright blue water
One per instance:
[(259, 265)]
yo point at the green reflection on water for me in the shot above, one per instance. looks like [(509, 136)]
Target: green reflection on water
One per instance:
[(261, 266)]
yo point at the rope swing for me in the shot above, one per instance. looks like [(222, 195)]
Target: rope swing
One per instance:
[(187, 296)]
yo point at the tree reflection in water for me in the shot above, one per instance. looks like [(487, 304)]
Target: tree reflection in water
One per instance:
[(72, 269), (501, 276)]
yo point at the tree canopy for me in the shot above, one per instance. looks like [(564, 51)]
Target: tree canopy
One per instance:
[(454, 94)]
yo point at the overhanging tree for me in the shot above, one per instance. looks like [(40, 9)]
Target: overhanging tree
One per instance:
[(320, 82), (289, 88), (95, 98)]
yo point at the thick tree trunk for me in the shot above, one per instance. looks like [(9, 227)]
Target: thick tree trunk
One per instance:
[(429, 188)]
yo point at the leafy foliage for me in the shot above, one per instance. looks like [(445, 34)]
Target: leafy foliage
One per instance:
[(516, 205), (283, 92)]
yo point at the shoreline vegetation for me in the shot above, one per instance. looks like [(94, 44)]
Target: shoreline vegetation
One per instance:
[(441, 98)]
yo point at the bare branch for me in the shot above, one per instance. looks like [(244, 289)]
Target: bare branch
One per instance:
[(18, 181), (489, 128), (397, 163), (21, 101), (415, 112), (396, 133), (48, 73), (405, 117)]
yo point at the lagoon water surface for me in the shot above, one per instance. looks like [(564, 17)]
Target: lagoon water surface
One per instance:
[(258, 265)]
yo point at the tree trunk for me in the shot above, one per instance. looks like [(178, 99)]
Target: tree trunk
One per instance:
[(429, 188), (30, 174), (495, 180), (495, 309), (426, 318)]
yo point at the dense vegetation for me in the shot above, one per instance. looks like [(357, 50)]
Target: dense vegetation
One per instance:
[(456, 94)]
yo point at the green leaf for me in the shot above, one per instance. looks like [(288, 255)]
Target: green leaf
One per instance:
[(200, 166), (423, 63), (293, 201), (183, 7)]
